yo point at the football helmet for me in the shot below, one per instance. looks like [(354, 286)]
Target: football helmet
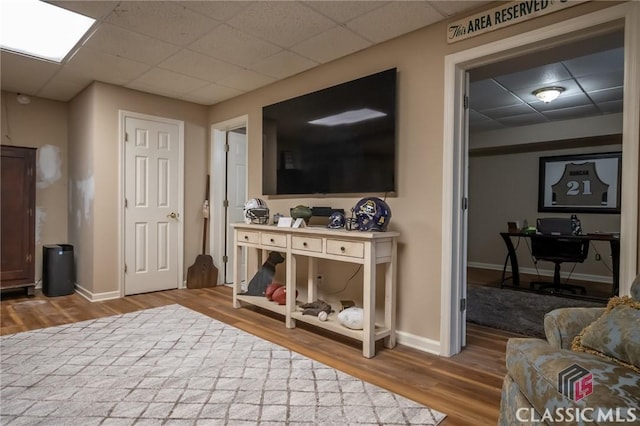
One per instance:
[(372, 214), (336, 220), (256, 211)]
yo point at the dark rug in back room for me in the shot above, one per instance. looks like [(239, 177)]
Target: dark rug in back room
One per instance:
[(516, 311)]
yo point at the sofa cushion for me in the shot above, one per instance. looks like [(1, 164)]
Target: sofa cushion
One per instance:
[(534, 366), (615, 335), (562, 325)]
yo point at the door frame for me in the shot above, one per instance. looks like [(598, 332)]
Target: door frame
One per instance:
[(218, 172), (122, 116), (454, 236)]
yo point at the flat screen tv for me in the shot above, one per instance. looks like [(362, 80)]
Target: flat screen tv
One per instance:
[(338, 140)]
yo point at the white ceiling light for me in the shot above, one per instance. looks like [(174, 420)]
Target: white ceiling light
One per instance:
[(40, 29), (348, 117), (548, 94)]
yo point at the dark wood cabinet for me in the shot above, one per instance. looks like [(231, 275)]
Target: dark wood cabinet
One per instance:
[(17, 218)]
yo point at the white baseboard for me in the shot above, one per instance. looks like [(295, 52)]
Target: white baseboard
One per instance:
[(544, 272), (419, 343), (96, 297)]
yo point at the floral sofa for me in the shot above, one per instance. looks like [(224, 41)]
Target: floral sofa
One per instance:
[(586, 372)]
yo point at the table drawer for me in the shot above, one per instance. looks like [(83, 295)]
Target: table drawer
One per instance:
[(248, 237), (275, 240), (345, 248), (307, 243)]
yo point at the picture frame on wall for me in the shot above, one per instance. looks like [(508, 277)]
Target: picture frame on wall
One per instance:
[(582, 183)]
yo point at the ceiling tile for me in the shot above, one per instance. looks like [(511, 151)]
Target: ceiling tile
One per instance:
[(103, 67), (509, 111), (179, 83), (523, 120), (607, 95), (602, 81), (601, 62), (571, 113), (394, 19), (283, 64), (211, 94), (282, 23), (63, 90), (218, 10), (535, 77), (487, 94), (613, 107), (231, 45), (246, 80), (22, 74), (128, 44), (194, 64), (344, 11), (330, 45), (170, 22)]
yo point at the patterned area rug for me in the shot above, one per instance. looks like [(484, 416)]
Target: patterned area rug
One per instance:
[(174, 366), (516, 311)]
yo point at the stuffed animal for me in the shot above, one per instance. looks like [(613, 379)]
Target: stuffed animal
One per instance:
[(261, 280)]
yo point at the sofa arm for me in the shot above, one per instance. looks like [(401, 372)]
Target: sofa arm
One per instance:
[(562, 325)]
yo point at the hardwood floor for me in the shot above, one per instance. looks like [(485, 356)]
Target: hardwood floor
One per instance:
[(466, 387)]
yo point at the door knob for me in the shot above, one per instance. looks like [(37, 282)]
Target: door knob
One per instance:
[(172, 215)]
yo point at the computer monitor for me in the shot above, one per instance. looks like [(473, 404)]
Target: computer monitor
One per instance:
[(554, 226)]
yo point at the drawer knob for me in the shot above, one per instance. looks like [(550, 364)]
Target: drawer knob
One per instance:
[(271, 239), (246, 237), (342, 249), (304, 244)]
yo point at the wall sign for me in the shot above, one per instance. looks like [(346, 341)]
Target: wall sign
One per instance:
[(503, 16), (587, 183)]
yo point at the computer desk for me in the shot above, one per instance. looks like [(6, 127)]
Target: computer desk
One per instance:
[(614, 243)]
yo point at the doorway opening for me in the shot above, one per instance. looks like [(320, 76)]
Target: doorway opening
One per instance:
[(229, 170), (456, 159)]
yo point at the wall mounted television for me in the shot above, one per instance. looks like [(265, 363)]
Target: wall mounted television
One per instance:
[(338, 140)]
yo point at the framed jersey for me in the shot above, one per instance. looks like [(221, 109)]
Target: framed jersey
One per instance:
[(584, 183)]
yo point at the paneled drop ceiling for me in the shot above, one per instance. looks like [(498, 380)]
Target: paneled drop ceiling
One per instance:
[(590, 71), (209, 51)]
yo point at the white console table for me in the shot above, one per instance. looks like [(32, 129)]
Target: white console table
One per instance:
[(366, 248)]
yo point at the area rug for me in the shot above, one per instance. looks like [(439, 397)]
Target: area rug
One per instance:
[(516, 311), (172, 365)]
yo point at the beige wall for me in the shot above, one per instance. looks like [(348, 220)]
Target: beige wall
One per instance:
[(419, 58), (42, 124), (95, 114)]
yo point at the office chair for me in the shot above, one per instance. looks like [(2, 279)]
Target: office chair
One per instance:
[(558, 249)]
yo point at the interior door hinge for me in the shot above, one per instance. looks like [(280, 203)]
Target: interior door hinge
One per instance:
[(463, 305), (126, 203), (466, 102), (225, 203), (465, 203), (126, 137), (125, 268), (29, 258), (226, 147), (225, 259)]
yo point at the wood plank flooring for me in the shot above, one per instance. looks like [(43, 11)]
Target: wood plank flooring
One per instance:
[(466, 387)]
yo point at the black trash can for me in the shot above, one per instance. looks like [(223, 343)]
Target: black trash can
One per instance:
[(58, 273)]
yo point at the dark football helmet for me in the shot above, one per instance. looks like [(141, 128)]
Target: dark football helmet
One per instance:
[(336, 220), (372, 214)]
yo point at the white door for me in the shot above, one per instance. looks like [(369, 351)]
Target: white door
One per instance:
[(152, 205), (236, 194)]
